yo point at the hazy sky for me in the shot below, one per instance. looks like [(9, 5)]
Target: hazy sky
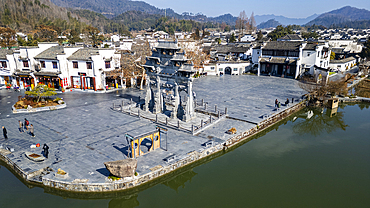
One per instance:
[(287, 8)]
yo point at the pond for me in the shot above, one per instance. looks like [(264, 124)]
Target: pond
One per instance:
[(315, 158)]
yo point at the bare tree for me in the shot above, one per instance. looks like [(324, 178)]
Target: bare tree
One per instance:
[(241, 23), (132, 61), (252, 22)]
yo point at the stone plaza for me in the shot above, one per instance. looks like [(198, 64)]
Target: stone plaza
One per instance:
[(89, 132)]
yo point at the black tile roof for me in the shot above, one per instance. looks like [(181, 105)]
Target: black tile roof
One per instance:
[(51, 53), (4, 52), (283, 45), (84, 54)]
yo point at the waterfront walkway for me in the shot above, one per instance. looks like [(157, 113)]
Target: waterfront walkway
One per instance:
[(88, 132)]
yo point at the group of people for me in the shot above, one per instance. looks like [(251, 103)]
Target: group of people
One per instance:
[(278, 104), (26, 126)]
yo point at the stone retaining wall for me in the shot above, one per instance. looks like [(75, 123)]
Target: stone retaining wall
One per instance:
[(190, 158), (32, 110)]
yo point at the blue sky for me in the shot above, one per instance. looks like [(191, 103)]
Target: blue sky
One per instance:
[(287, 8)]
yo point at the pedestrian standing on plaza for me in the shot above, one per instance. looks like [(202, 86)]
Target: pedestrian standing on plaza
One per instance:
[(276, 103), (46, 150), (26, 123), (32, 131), (20, 126), (5, 133)]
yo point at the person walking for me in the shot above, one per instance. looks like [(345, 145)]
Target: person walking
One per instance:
[(46, 150), (5, 133), (26, 123), (32, 131), (20, 126)]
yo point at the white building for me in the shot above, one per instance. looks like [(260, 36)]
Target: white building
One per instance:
[(7, 66), (227, 67), (87, 68), (343, 64), (293, 58)]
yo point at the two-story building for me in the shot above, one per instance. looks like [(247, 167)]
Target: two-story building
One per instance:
[(281, 58), (87, 67), (293, 58), (7, 66), (51, 66)]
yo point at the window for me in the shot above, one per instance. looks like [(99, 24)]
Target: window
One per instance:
[(221, 69), (212, 68), (55, 65), (258, 52), (88, 65), (75, 64), (308, 54), (3, 64), (107, 64), (318, 54), (42, 64), (235, 69), (338, 66), (25, 64)]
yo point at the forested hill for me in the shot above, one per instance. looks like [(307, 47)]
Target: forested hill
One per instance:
[(112, 8), (28, 15), (25, 14), (343, 15)]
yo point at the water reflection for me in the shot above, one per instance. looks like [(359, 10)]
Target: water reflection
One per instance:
[(130, 201), (363, 89), (180, 180), (317, 120)]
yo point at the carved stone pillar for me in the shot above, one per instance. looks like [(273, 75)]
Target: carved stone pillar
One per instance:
[(148, 95), (177, 102), (157, 98)]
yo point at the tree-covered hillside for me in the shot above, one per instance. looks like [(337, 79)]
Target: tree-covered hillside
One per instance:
[(343, 15)]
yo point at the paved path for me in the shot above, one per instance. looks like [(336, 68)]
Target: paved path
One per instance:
[(88, 133)]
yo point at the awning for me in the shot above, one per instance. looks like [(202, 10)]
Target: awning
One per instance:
[(46, 74), (279, 61), (320, 68)]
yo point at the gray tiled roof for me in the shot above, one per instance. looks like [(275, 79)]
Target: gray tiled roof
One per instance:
[(283, 45), (84, 54), (291, 37), (51, 53), (342, 60), (4, 52), (310, 46)]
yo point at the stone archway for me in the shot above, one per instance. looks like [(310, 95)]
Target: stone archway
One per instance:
[(146, 145), (228, 70)]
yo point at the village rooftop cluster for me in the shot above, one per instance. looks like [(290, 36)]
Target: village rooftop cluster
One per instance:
[(83, 67)]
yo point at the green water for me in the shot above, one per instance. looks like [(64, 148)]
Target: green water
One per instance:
[(323, 161)]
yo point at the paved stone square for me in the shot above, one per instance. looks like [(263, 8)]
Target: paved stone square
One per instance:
[(88, 132)]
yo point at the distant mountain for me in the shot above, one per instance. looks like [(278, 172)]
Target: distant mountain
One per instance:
[(343, 15), (227, 18), (284, 20), (268, 24)]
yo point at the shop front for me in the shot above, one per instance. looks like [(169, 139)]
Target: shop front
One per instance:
[(25, 81), (83, 82), (51, 80), (111, 82)]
